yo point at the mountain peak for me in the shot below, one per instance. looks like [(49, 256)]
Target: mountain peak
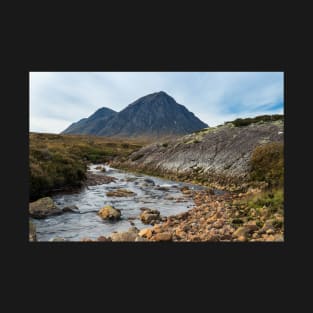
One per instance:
[(162, 93), (102, 112), (154, 115)]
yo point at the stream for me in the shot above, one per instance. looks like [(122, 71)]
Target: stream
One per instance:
[(151, 192)]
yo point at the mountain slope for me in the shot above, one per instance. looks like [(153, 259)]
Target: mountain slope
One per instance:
[(219, 154), (92, 124), (154, 115)]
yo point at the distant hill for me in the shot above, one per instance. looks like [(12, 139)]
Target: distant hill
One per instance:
[(154, 115)]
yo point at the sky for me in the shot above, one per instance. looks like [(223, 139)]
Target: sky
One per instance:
[(58, 99)]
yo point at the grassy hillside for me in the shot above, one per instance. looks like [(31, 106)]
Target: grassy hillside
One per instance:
[(60, 161)]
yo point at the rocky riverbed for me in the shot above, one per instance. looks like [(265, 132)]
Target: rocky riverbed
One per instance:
[(88, 213), (214, 218), (151, 209)]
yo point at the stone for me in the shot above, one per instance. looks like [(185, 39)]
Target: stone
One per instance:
[(120, 193), (242, 231), (267, 225), (43, 208), (96, 179), (270, 238), (251, 225), (103, 238), (218, 224), (149, 216), (146, 232), (186, 191), (165, 236), (255, 235), (163, 188), (109, 213), (71, 209), (242, 238), (180, 233), (149, 182), (129, 235), (138, 238)]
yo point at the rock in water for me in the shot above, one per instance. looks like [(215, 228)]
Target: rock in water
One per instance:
[(148, 216), (109, 213), (149, 182), (71, 208), (120, 193), (43, 207)]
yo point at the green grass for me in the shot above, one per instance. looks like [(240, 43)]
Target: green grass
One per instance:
[(273, 200), (60, 161), (267, 164), (261, 118)]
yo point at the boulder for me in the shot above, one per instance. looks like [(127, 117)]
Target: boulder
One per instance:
[(243, 231), (164, 187), (103, 238), (149, 182), (251, 225), (268, 225), (71, 209), (120, 193), (109, 213), (146, 232), (138, 238), (149, 216), (43, 208), (32, 231), (129, 235), (165, 236), (218, 224), (186, 191)]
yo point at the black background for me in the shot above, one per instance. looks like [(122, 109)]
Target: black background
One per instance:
[(242, 276)]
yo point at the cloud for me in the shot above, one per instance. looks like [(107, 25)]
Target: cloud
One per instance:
[(59, 98)]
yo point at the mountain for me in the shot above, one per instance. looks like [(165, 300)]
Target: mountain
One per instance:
[(154, 115), (91, 125)]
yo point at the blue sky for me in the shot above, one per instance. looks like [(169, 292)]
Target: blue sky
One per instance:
[(58, 99)]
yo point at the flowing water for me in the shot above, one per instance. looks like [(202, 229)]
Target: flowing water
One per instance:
[(73, 227)]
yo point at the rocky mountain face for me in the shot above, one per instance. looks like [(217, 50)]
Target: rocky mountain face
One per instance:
[(154, 115), (217, 154), (92, 124)]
